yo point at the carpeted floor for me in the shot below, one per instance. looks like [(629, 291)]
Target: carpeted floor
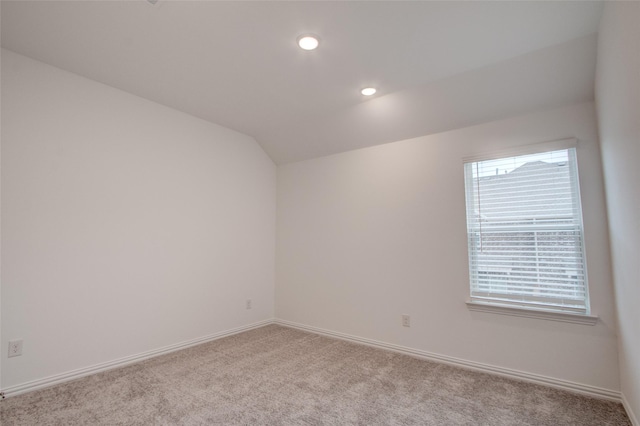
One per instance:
[(281, 376)]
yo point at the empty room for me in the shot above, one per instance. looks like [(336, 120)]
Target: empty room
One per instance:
[(320, 212)]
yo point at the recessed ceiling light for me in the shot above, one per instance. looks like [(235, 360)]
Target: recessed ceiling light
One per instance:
[(368, 91), (308, 41)]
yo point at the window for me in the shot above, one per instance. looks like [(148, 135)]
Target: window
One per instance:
[(525, 234)]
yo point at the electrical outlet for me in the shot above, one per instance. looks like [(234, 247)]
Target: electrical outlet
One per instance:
[(406, 321), (248, 304), (15, 348)]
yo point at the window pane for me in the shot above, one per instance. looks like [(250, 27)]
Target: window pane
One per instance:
[(524, 225)]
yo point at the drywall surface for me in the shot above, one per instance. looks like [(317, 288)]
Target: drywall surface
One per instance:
[(618, 101), (126, 226), (366, 236)]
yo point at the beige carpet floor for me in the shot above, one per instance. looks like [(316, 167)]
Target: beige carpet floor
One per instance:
[(281, 376)]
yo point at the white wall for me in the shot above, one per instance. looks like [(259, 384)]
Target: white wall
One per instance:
[(126, 226), (618, 101), (368, 235)]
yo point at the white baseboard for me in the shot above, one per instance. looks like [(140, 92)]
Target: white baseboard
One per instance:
[(630, 413), (470, 365), (81, 372)]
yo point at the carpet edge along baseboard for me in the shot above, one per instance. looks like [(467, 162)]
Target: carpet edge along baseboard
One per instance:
[(567, 385), (121, 362)]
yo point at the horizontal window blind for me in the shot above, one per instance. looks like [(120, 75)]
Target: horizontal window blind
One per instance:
[(525, 234)]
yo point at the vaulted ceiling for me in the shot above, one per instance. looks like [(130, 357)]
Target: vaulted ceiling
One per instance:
[(437, 65)]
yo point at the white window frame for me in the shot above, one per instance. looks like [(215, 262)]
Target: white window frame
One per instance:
[(498, 306)]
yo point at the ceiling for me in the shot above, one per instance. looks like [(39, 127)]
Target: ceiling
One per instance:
[(437, 65)]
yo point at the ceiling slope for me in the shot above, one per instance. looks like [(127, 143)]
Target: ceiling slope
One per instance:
[(437, 65), (550, 77)]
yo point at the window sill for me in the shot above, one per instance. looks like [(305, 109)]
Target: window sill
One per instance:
[(532, 313)]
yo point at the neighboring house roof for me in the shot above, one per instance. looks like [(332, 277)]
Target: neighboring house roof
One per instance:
[(547, 193)]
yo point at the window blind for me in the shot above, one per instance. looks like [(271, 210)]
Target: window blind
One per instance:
[(525, 233)]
